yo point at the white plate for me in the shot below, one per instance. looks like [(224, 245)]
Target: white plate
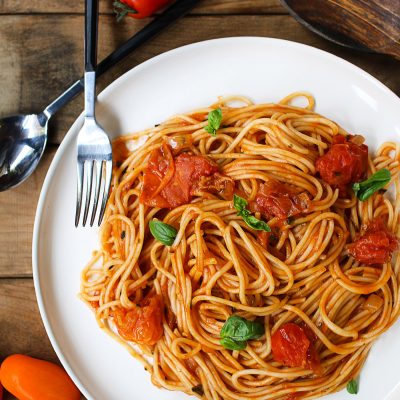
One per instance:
[(183, 79)]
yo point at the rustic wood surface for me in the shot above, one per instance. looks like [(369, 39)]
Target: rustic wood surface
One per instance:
[(41, 53), (372, 25)]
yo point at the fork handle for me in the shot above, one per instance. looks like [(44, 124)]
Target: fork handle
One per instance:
[(91, 22), (170, 15)]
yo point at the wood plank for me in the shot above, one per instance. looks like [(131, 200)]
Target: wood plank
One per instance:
[(17, 213), (204, 7), (21, 328), (41, 54)]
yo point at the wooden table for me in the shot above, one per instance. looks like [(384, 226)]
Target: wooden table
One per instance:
[(41, 53)]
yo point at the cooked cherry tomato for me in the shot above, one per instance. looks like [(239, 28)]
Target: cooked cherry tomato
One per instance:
[(292, 347), (28, 378), (275, 199), (138, 8), (142, 324), (217, 183), (376, 245), (345, 162), (168, 181)]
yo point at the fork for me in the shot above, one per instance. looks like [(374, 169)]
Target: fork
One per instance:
[(94, 152)]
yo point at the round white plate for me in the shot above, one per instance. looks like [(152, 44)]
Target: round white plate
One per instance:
[(264, 69)]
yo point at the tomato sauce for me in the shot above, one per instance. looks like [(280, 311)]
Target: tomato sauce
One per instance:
[(143, 323), (168, 181), (376, 245), (344, 163), (292, 346), (275, 199)]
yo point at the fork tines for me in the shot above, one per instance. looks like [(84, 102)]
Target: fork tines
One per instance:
[(94, 171)]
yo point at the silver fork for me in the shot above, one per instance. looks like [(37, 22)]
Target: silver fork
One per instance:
[(94, 153)]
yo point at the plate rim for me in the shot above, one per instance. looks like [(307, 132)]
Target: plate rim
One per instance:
[(69, 136)]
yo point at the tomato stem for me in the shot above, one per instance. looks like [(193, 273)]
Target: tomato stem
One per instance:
[(121, 10)]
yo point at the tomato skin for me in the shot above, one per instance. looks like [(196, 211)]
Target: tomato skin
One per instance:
[(145, 8), (376, 245), (292, 347), (119, 152), (275, 199), (170, 181), (28, 378), (142, 324), (219, 184), (345, 162)]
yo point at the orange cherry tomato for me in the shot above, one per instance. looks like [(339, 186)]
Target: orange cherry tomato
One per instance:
[(28, 378), (142, 324)]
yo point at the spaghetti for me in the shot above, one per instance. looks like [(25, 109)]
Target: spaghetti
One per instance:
[(260, 293)]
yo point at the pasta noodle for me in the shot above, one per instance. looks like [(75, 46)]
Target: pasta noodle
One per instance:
[(218, 266)]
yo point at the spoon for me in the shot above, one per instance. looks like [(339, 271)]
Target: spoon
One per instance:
[(372, 26), (23, 137)]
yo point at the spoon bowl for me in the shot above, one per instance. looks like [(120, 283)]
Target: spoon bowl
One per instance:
[(22, 142)]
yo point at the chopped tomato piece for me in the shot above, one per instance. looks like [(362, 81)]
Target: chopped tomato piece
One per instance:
[(345, 162), (95, 304), (275, 199), (376, 245), (292, 347), (119, 151), (168, 182), (263, 238), (179, 142), (191, 365), (142, 324), (217, 183)]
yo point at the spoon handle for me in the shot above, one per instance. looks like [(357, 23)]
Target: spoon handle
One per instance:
[(170, 15)]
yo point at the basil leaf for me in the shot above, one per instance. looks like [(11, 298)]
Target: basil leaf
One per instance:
[(164, 233), (365, 189), (214, 121), (239, 203), (255, 223), (352, 387), (198, 389), (240, 329), (233, 344)]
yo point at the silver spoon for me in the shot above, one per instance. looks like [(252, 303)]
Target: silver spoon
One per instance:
[(23, 137)]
